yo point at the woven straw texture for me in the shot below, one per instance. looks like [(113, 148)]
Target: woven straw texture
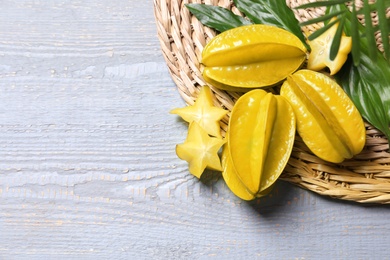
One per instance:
[(364, 179)]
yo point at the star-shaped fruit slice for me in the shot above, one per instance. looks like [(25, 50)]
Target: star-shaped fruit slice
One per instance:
[(320, 51), (203, 112), (200, 150)]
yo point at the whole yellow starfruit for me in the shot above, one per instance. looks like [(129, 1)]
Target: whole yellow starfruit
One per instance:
[(251, 56), (260, 139), (327, 120)]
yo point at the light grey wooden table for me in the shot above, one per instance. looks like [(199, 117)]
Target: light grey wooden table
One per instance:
[(88, 168)]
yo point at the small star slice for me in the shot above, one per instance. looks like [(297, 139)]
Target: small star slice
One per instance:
[(320, 51), (200, 150), (203, 112)]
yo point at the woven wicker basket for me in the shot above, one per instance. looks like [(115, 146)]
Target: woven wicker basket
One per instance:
[(365, 178)]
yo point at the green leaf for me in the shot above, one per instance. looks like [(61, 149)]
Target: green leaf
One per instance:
[(334, 48), (384, 29), (369, 30), (322, 18), (380, 6), (321, 3), (373, 7), (216, 17), (367, 84), (272, 12), (320, 31), (376, 27), (355, 37)]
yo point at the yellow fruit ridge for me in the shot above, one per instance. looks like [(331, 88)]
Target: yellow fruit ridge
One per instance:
[(281, 143), (327, 120), (252, 56), (230, 177), (260, 140)]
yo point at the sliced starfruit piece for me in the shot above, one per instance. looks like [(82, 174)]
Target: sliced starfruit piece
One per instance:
[(200, 150), (203, 112), (327, 120), (252, 56), (319, 57), (260, 139)]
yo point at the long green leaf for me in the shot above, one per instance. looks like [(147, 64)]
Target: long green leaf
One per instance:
[(369, 30), (272, 12), (321, 3), (322, 18), (320, 31), (216, 17), (384, 29), (387, 22), (373, 7), (367, 84), (355, 37), (334, 48)]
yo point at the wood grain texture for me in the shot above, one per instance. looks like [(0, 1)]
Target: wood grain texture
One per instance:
[(88, 168)]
